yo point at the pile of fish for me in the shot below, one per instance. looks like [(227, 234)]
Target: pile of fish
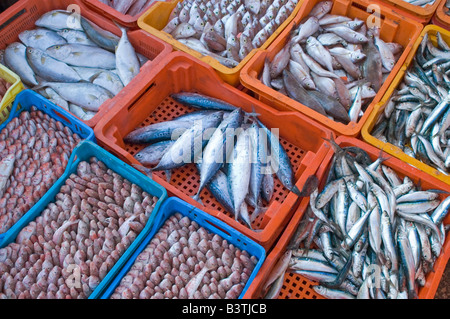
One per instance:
[(67, 251), (368, 234), (4, 87), (416, 116), (129, 7), (34, 152), (238, 173), (185, 261), (227, 30), (64, 56), (332, 64)]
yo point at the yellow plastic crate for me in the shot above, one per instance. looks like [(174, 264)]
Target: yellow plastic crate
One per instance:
[(379, 108), (16, 87), (156, 18)]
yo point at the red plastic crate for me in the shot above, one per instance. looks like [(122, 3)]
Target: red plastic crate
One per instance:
[(22, 16), (111, 13), (298, 287), (302, 139)]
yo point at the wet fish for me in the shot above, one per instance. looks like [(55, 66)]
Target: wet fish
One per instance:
[(83, 56), (16, 59), (41, 38), (49, 68)]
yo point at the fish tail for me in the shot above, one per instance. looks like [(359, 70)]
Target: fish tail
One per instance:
[(146, 170), (253, 115), (334, 145), (40, 85), (197, 198)]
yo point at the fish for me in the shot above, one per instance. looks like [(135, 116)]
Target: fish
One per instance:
[(127, 62), (58, 20), (41, 38), (239, 171), (49, 68), (75, 37), (421, 109), (104, 39), (92, 98), (109, 81), (16, 59), (189, 144), (81, 55), (218, 148), (296, 91), (189, 21), (378, 244)]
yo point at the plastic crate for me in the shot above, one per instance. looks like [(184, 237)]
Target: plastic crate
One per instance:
[(440, 17), (298, 287), (394, 27), (379, 108), (302, 139), (421, 14), (112, 14), (83, 152), (8, 99), (24, 101), (156, 18), (23, 14), (175, 205)]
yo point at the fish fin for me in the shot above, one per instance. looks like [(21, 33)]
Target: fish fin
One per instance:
[(258, 211), (168, 175), (146, 170), (253, 115), (337, 149), (40, 85), (382, 158), (197, 198)]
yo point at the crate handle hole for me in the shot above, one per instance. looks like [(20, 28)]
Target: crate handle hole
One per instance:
[(61, 116)]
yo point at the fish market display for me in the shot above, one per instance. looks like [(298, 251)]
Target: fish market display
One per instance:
[(67, 251), (60, 59), (227, 30), (129, 7), (34, 152), (4, 87), (368, 234), (238, 174), (185, 261), (416, 116), (332, 64)]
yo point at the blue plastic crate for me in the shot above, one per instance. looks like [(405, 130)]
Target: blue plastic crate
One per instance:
[(83, 152), (28, 98), (23, 102), (175, 205)]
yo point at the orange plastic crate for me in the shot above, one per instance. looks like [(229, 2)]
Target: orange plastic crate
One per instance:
[(298, 287), (181, 72), (394, 27), (22, 16), (110, 13), (440, 17)]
